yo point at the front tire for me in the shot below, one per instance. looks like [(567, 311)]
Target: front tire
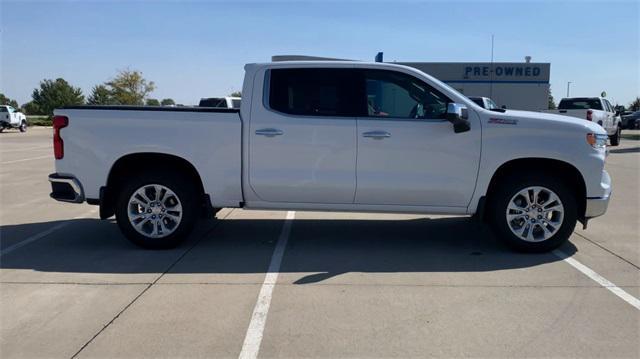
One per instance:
[(533, 212), (615, 139), (23, 126), (157, 210)]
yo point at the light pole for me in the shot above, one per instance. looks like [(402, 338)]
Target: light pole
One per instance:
[(568, 84)]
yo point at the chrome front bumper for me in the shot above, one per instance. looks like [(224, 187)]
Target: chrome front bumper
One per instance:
[(598, 206), (66, 188)]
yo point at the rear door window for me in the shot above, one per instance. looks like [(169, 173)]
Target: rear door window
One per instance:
[(314, 92)]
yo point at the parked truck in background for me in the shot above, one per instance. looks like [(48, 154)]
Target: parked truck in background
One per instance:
[(334, 136), (594, 109), (223, 102), (12, 118), (485, 103)]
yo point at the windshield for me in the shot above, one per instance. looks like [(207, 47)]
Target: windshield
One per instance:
[(580, 104)]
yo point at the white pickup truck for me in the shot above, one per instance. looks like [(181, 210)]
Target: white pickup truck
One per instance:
[(334, 136), (10, 118), (594, 109)]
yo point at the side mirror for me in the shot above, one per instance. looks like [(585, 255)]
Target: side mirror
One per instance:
[(457, 114), (504, 107)]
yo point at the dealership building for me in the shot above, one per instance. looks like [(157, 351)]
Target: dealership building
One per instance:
[(515, 85)]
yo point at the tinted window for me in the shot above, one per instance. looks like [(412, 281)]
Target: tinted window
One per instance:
[(213, 102), (394, 94), (580, 104), (478, 101), (236, 103), (609, 106), (313, 92), (3, 109)]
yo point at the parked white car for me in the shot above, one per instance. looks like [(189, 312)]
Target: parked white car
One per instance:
[(334, 136), (11, 118), (594, 109)]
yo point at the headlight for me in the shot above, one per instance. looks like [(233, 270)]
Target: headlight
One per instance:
[(597, 140)]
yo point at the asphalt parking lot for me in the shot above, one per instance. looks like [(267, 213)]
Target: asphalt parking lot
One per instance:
[(340, 284)]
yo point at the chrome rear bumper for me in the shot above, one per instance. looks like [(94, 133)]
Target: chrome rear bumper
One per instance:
[(66, 188)]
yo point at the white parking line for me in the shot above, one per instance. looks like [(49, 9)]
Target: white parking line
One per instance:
[(42, 234), (27, 149), (25, 159), (599, 279), (253, 338)]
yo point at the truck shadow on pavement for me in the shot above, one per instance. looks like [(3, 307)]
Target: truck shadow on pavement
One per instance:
[(317, 249), (625, 150)]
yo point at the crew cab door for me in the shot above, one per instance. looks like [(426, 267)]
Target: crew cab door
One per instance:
[(408, 154), (302, 138)]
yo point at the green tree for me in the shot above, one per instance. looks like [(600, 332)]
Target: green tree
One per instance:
[(31, 108), (552, 102), (4, 100), (101, 95), (53, 94), (130, 88), (236, 94), (167, 102), (635, 105), (152, 102)]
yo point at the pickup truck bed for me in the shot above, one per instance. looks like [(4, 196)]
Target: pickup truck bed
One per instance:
[(100, 136), (595, 109)]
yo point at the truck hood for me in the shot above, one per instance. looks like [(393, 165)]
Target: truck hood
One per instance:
[(553, 118)]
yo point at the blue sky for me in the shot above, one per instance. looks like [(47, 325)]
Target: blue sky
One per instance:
[(198, 49)]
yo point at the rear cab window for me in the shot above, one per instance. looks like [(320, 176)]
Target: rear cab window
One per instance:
[(580, 104)]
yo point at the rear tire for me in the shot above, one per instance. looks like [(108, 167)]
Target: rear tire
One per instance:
[(615, 139), (157, 210), (540, 224)]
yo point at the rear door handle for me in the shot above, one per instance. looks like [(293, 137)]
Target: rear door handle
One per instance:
[(377, 135), (269, 132)]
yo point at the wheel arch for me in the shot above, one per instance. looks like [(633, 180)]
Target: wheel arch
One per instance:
[(139, 162), (569, 173)]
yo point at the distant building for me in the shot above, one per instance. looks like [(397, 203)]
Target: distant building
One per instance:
[(516, 85)]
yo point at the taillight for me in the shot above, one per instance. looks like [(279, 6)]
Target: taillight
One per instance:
[(589, 115), (59, 122)]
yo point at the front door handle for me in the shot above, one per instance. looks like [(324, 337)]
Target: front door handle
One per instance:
[(377, 135), (269, 132)]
